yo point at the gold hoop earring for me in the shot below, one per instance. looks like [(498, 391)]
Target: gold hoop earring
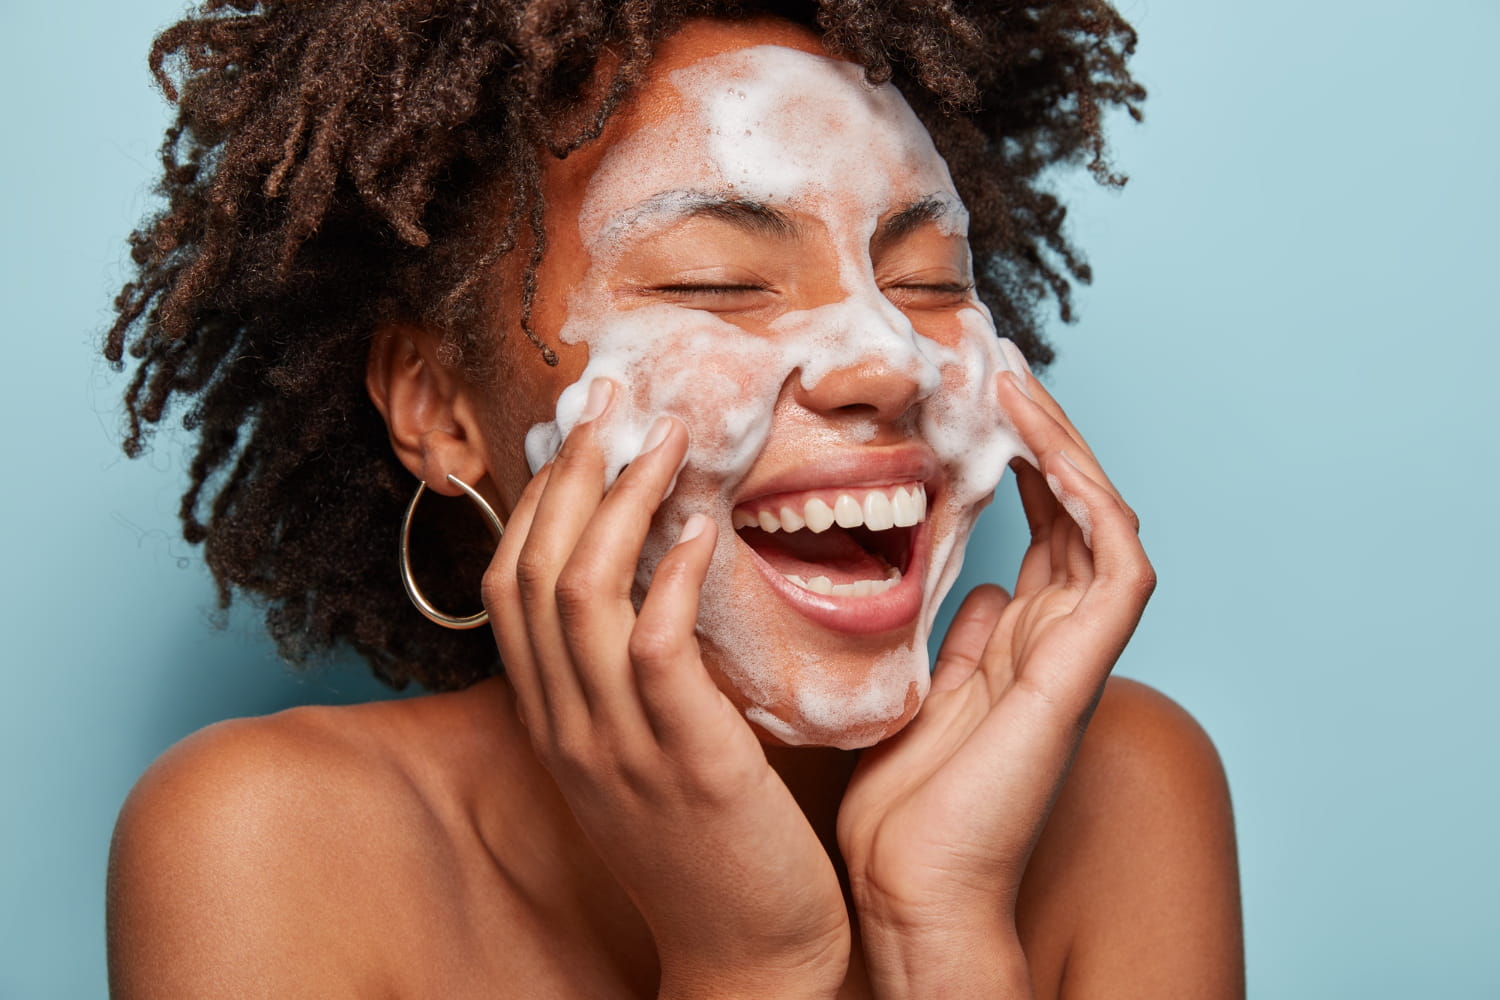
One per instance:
[(410, 582)]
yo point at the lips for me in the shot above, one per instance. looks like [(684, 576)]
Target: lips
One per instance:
[(849, 558)]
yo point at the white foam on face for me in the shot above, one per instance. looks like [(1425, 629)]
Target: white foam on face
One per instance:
[(807, 135)]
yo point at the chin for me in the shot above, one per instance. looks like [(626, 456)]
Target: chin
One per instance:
[(803, 732), (844, 698)]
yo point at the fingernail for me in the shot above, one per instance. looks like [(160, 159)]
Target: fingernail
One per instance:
[(601, 391), (656, 435), (692, 528)]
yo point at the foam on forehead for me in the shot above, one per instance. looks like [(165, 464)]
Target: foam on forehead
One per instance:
[(774, 125)]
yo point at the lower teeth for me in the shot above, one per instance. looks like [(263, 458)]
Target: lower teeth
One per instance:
[(859, 588)]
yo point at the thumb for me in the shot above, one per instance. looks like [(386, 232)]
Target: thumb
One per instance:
[(962, 647)]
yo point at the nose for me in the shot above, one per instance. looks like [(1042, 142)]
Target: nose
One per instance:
[(867, 388), (869, 362)]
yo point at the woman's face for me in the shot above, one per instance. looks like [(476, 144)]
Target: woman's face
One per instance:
[(768, 248)]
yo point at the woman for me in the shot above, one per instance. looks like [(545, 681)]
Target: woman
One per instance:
[(684, 299)]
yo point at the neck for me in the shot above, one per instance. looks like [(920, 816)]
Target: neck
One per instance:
[(817, 777)]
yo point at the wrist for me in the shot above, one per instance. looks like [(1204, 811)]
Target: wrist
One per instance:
[(726, 984), (908, 956), (801, 975)]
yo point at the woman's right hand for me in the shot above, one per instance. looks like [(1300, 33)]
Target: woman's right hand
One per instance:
[(663, 775)]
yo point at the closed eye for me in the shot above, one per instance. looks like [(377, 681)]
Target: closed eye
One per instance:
[(707, 289), (714, 296), (929, 295)]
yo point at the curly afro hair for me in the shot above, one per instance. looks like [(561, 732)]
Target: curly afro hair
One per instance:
[(336, 164)]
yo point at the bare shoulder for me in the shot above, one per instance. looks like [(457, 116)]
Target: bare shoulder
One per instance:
[(1144, 754), (244, 852), (1136, 872)]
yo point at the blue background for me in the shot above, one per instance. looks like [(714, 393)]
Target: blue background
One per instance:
[(1286, 364)]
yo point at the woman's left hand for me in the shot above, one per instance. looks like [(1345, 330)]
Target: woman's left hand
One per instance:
[(938, 822)]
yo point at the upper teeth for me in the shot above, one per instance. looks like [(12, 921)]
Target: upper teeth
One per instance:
[(877, 510)]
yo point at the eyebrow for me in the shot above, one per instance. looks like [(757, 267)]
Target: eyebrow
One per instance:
[(933, 208), (752, 217), (760, 219)]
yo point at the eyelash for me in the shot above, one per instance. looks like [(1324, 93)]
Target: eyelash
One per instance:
[(709, 289), (947, 288), (929, 295), (952, 287), (916, 296)]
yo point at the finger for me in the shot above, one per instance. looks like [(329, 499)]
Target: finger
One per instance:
[(1034, 389), (1040, 507), (502, 598), (594, 589), (1044, 399), (968, 635), (676, 692), (1037, 501), (1091, 619), (1072, 549), (1122, 579), (1039, 429), (571, 494), (1083, 451), (1052, 558), (1044, 428)]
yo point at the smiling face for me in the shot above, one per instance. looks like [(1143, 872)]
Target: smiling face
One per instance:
[(772, 250)]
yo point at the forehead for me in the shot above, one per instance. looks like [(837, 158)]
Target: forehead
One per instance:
[(769, 123)]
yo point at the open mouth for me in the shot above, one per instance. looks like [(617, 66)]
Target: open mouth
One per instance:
[(839, 542)]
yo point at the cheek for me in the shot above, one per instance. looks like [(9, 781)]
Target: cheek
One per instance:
[(963, 421), (719, 380), (521, 391), (723, 384)]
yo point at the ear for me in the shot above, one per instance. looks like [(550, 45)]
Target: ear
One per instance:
[(427, 408)]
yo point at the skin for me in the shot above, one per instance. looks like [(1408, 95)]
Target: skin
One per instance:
[(603, 822)]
